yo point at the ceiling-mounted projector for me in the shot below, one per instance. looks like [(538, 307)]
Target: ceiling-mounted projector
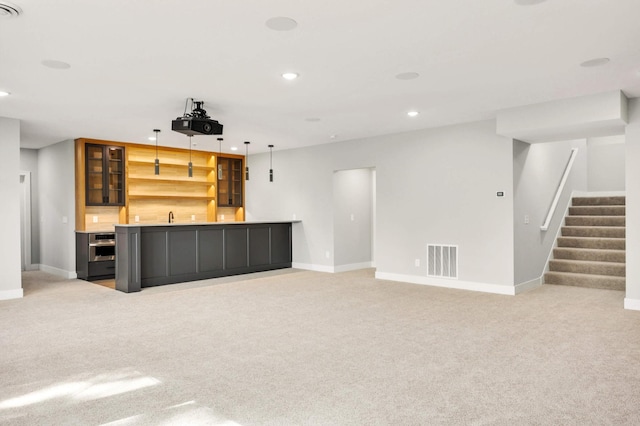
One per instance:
[(197, 122)]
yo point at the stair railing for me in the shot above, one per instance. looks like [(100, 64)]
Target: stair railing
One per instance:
[(563, 181)]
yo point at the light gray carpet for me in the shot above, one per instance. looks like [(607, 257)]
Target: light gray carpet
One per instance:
[(307, 348)]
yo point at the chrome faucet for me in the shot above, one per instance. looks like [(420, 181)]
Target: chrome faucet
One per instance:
[(170, 217)]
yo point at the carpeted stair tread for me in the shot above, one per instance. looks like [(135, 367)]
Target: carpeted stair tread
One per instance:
[(599, 201), (591, 249), (595, 220), (597, 210), (588, 267), (598, 255), (584, 280), (594, 243), (594, 231)]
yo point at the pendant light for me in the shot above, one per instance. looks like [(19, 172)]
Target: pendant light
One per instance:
[(246, 160), (219, 154), (190, 163), (157, 163), (270, 163)]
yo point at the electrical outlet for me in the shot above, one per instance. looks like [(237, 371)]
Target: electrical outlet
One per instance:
[(294, 216), (526, 219), (353, 217), (95, 219), (327, 254), (221, 217), (136, 218), (193, 218), (65, 219), (417, 262)]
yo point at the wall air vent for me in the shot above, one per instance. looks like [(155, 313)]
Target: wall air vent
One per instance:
[(8, 10), (442, 261)]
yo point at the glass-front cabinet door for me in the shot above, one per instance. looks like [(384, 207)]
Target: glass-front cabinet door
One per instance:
[(229, 182), (104, 175)]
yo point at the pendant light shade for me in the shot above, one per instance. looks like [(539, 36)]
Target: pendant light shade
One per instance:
[(220, 176), (246, 160), (190, 163), (157, 163), (270, 163)]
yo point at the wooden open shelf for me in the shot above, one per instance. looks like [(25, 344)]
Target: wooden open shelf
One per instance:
[(181, 181), (164, 163), (168, 197)]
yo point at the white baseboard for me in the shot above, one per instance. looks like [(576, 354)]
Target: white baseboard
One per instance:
[(32, 267), (70, 275), (11, 294), (632, 304), (599, 193), (529, 285), (353, 267), (312, 267), (456, 284), (332, 269)]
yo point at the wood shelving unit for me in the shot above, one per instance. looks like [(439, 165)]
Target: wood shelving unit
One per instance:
[(149, 197)]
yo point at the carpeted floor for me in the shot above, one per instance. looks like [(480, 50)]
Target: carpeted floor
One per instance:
[(307, 348)]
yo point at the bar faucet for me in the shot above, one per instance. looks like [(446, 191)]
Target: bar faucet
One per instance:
[(170, 217)]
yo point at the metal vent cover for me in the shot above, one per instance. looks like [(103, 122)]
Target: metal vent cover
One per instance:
[(8, 10), (442, 261)]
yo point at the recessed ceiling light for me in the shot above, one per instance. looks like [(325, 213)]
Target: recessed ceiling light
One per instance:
[(312, 119), (8, 10), (333, 136), (2, 93), (528, 2), (152, 138), (290, 75), (56, 65), (413, 113), (234, 148), (281, 23), (407, 76), (597, 62)]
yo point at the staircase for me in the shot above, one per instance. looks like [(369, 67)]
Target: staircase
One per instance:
[(591, 251)]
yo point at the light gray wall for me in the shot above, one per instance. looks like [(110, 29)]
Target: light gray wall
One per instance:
[(352, 219), (606, 163), (632, 145), (537, 171), (433, 186), (56, 182), (29, 163), (10, 261)]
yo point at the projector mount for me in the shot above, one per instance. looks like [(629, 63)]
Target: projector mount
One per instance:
[(196, 111)]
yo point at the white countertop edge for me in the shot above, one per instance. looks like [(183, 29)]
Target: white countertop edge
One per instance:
[(248, 222)]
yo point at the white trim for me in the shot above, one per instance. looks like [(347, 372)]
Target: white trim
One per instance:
[(599, 194), (632, 304), (11, 294), (70, 275), (25, 219), (449, 283), (353, 267), (529, 285), (33, 267), (312, 267), (563, 181)]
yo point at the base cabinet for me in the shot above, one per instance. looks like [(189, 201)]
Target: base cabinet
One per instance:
[(149, 256)]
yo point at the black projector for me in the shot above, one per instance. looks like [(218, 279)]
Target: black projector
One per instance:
[(192, 126)]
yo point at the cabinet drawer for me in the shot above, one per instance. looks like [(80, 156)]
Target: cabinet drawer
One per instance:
[(106, 269)]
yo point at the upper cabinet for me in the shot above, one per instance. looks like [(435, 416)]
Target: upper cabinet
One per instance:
[(229, 182), (104, 175)]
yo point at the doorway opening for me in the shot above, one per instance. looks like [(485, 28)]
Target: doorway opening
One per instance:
[(354, 218)]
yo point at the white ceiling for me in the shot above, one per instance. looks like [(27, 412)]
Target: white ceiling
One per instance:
[(135, 62)]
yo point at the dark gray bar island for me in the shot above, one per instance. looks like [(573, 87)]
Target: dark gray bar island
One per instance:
[(152, 255)]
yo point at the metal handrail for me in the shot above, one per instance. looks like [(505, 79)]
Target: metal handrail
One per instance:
[(563, 181)]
